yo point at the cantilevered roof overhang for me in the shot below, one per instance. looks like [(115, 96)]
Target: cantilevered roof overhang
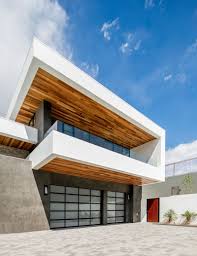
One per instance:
[(78, 99), (17, 135), (64, 154)]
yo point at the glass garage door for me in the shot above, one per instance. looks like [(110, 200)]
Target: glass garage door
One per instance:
[(115, 207), (72, 207)]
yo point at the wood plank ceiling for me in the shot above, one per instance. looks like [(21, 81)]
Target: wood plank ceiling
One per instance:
[(15, 143), (73, 107), (72, 168)]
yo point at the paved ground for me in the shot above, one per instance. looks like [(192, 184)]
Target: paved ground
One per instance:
[(122, 240)]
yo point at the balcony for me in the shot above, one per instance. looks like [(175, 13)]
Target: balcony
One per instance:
[(181, 167), (63, 153), (88, 137)]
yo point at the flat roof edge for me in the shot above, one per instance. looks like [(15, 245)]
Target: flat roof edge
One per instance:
[(42, 56)]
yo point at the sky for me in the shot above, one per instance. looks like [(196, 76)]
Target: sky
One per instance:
[(145, 51)]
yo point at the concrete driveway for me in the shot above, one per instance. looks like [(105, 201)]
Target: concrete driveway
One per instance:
[(124, 239)]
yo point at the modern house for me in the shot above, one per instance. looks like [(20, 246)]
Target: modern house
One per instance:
[(72, 153), (178, 192)]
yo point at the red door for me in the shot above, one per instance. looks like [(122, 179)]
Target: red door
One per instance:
[(153, 210)]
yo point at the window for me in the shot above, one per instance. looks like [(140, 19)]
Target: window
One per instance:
[(83, 135), (68, 129), (96, 140)]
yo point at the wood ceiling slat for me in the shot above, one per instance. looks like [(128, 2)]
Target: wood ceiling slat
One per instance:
[(91, 172), (15, 143), (71, 106)]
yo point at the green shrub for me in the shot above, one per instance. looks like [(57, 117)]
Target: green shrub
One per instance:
[(189, 215), (170, 215)]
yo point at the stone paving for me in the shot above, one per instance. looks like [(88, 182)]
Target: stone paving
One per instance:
[(112, 240)]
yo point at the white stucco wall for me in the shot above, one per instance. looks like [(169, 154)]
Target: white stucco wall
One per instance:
[(179, 204), (12, 129), (163, 190), (63, 146)]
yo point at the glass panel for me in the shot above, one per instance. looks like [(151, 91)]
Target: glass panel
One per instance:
[(95, 207), (72, 207), (117, 148), (57, 197), (110, 220), (109, 145), (97, 140), (111, 200), (111, 207), (95, 221), (119, 213), (57, 215), (84, 207), (68, 129), (71, 223), (119, 219), (110, 193), (71, 198), (84, 199), (111, 213), (84, 222), (120, 200), (95, 192), (95, 199), (120, 207), (55, 206), (57, 224), (119, 194), (71, 215), (95, 214), (57, 189), (126, 151), (71, 190), (83, 135), (84, 214), (83, 191)]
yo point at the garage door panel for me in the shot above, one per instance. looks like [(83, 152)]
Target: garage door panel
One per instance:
[(115, 207), (70, 207)]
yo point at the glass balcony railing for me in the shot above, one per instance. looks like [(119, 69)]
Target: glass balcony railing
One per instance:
[(89, 137), (182, 167)]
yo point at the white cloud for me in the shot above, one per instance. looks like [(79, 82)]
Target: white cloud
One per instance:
[(181, 152), (131, 44), (181, 78), (91, 69), (108, 27), (20, 21), (149, 4), (191, 48), (167, 77)]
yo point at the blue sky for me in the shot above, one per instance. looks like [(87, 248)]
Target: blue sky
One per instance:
[(147, 56), (143, 50)]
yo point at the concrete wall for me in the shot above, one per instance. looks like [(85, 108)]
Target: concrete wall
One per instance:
[(164, 189), (15, 152), (24, 207), (21, 206)]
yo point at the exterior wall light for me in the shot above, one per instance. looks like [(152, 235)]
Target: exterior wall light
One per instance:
[(45, 190)]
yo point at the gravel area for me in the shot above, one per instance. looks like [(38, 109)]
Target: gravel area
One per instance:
[(140, 239)]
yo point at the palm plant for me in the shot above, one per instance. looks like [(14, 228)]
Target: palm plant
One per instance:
[(170, 215), (189, 215)]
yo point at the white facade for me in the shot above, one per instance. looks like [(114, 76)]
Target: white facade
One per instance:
[(66, 147), (147, 160), (18, 131), (180, 203)]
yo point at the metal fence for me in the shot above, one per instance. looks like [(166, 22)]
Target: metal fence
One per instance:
[(182, 167)]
